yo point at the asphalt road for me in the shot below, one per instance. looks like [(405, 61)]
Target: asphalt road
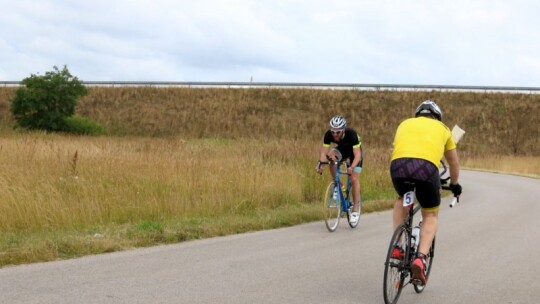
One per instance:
[(487, 252)]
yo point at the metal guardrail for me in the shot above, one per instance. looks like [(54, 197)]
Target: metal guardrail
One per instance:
[(300, 85)]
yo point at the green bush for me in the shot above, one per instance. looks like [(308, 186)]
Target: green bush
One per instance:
[(44, 102), (84, 126)]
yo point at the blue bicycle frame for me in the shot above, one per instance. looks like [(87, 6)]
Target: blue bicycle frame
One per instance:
[(337, 198), (343, 196)]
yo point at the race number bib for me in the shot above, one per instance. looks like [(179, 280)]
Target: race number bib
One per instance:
[(408, 199)]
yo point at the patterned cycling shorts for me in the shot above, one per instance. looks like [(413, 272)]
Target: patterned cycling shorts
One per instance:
[(413, 173)]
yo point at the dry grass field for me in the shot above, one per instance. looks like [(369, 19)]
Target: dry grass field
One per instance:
[(496, 123), (180, 164)]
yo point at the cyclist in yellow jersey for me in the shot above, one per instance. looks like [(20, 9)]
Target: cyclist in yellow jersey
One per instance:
[(348, 144), (419, 145)]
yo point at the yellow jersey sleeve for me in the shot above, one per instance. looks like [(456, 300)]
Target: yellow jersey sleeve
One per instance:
[(422, 138)]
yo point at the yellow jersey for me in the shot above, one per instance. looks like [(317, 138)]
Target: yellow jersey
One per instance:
[(423, 138)]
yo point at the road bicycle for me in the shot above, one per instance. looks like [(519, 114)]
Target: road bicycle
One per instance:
[(337, 200), (397, 272)]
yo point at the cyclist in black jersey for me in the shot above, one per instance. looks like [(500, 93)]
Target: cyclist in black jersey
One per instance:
[(348, 145)]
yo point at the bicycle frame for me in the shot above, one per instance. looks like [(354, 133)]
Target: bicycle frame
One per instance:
[(338, 197), (408, 223), (344, 199)]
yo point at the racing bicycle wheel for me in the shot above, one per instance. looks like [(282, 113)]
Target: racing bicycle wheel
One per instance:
[(395, 267), (332, 207)]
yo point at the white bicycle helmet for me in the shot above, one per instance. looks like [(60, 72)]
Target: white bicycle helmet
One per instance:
[(338, 122), (429, 107)]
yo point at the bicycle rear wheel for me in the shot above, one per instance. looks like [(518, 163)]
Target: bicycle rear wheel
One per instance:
[(429, 262), (396, 269), (332, 208)]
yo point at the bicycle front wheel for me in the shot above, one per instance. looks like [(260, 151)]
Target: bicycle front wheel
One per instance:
[(332, 207), (429, 262), (396, 266)]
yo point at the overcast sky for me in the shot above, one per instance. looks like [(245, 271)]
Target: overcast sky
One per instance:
[(491, 42)]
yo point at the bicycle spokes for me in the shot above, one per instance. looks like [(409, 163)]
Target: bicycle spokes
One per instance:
[(396, 265), (332, 207)]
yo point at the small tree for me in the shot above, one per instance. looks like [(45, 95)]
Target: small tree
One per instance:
[(46, 101)]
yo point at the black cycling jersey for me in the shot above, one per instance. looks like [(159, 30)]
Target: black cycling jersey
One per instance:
[(348, 140)]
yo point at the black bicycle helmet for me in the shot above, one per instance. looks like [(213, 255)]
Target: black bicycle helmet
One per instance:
[(338, 122), (429, 107)]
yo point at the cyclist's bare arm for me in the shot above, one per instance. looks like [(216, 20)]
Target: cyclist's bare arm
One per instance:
[(324, 152), (328, 153), (453, 163), (322, 158)]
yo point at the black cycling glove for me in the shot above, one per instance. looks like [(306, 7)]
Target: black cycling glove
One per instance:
[(456, 189)]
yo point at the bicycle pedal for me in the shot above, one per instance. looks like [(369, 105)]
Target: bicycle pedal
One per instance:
[(417, 282)]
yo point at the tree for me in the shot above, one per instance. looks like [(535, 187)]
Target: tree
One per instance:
[(44, 102)]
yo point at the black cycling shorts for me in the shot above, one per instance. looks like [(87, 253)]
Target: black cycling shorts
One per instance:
[(413, 173), (348, 154)]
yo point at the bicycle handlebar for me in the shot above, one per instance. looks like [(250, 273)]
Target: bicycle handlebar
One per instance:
[(337, 163), (446, 186), (455, 200)]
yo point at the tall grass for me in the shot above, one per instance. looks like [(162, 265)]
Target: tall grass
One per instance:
[(189, 163), (53, 181), (132, 189), (496, 123)]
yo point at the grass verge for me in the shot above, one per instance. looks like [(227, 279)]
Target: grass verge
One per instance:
[(65, 196)]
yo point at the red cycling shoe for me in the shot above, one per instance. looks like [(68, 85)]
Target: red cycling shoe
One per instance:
[(398, 253), (418, 275)]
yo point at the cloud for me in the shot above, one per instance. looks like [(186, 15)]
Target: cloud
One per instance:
[(413, 42)]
